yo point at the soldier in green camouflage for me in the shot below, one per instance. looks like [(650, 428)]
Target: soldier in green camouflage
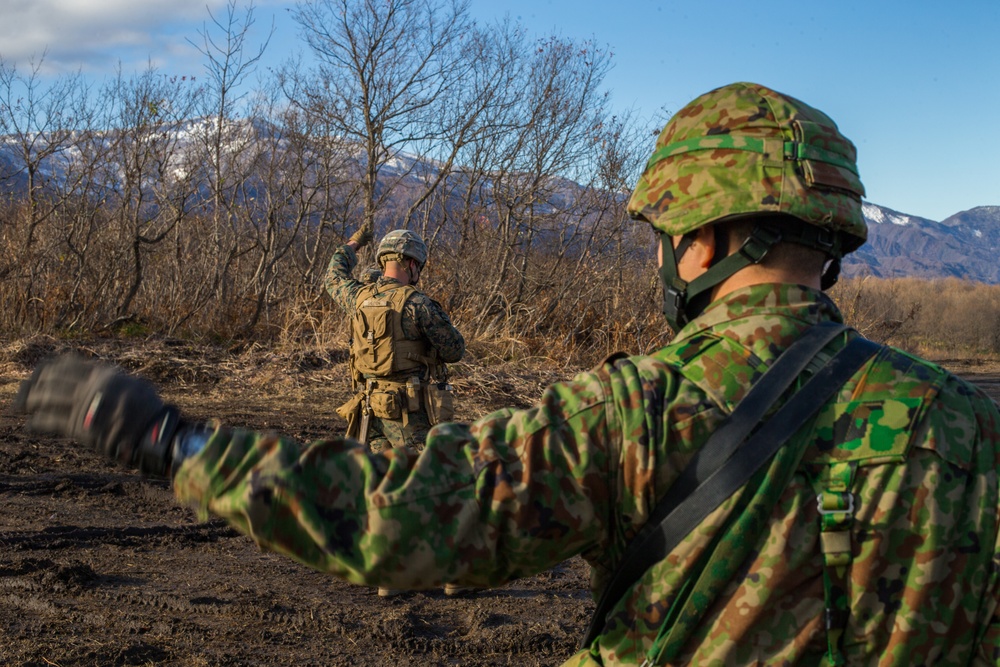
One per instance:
[(401, 340), (880, 548)]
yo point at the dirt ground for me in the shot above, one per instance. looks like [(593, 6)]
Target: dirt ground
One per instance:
[(99, 566)]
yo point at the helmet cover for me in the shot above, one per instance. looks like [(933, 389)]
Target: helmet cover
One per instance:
[(743, 149), (402, 242)]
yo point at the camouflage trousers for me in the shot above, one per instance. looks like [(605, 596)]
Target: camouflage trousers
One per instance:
[(388, 433)]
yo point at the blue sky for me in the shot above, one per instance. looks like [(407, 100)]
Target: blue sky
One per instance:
[(915, 84)]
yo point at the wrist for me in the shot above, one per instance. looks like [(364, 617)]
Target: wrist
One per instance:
[(188, 441), (154, 451)]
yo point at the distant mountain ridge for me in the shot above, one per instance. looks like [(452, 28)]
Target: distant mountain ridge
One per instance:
[(963, 245)]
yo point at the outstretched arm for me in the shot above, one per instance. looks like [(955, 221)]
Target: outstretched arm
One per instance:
[(508, 496)]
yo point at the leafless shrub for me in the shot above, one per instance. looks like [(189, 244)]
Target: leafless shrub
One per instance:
[(944, 318)]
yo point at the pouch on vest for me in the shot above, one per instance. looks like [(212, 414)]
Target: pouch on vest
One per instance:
[(351, 413), (372, 336), (378, 346), (386, 404), (413, 394), (439, 399)]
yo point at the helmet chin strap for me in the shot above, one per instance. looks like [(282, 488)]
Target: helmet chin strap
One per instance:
[(683, 301), (674, 289)]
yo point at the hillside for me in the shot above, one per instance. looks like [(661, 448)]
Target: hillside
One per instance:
[(899, 244), (962, 246)]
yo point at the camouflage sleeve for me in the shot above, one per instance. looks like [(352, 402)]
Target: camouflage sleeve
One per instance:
[(339, 281), (423, 317), (507, 496), (988, 654)]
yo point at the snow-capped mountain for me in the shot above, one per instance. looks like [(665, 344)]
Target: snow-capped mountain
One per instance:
[(963, 245)]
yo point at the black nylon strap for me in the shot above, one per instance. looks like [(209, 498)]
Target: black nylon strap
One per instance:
[(746, 416), (722, 465)]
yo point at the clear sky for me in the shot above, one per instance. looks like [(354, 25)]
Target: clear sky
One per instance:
[(914, 83)]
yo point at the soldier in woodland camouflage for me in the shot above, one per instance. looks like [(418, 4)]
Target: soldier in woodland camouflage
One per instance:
[(401, 340), (882, 548)]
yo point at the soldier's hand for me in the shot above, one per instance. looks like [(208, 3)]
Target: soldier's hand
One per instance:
[(99, 405), (362, 237)]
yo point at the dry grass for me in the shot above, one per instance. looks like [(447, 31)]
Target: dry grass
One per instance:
[(259, 375)]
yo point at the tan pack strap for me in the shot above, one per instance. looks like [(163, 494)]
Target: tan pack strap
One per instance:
[(410, 350), (384, 385)]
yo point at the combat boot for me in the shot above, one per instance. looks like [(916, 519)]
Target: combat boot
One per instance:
[(454, 590), (390, 592)]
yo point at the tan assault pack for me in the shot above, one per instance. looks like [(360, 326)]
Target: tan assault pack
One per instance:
[(378, 346), (381, 357)]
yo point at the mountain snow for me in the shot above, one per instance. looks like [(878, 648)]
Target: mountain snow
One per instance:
[(879, 214)]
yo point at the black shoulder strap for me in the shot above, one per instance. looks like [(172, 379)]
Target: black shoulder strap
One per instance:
[(722, 466)]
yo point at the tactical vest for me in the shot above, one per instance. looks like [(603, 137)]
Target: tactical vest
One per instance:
[(379, 348), (871, 425)]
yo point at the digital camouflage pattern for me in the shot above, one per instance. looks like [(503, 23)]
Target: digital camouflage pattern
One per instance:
[(402, 242), (744, 149), (517, 492), (423, 319), (385, 434)]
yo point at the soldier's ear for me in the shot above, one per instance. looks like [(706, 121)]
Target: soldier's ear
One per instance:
[(698, 257), (706, 236)]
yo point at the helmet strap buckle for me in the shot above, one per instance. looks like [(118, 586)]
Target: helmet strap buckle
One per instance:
[(674, 289), (826, 240), (760, 241), (674, 302)]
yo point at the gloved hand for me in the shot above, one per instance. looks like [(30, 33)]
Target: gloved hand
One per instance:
[(99, 405), (362, 237)]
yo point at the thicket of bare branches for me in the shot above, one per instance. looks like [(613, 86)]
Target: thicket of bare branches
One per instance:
[(208, 207), (943, 319)]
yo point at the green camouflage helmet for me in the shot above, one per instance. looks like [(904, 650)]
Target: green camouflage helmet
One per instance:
[(743, 149), (402, 242)]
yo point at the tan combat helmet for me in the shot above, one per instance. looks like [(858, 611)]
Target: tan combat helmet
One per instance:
[(745, 150), (401, 243)]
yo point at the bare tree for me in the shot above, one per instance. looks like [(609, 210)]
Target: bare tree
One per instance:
[(43, 121), (152, 191), (323, 166), (40, 117), (556, 105), (386, 71), (212, 207), (227, 138)]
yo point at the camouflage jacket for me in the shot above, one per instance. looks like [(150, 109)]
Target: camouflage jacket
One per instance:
[(423, 317), (518, 491)]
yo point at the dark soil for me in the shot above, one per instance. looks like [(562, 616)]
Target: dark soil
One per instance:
[(99, 566)]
